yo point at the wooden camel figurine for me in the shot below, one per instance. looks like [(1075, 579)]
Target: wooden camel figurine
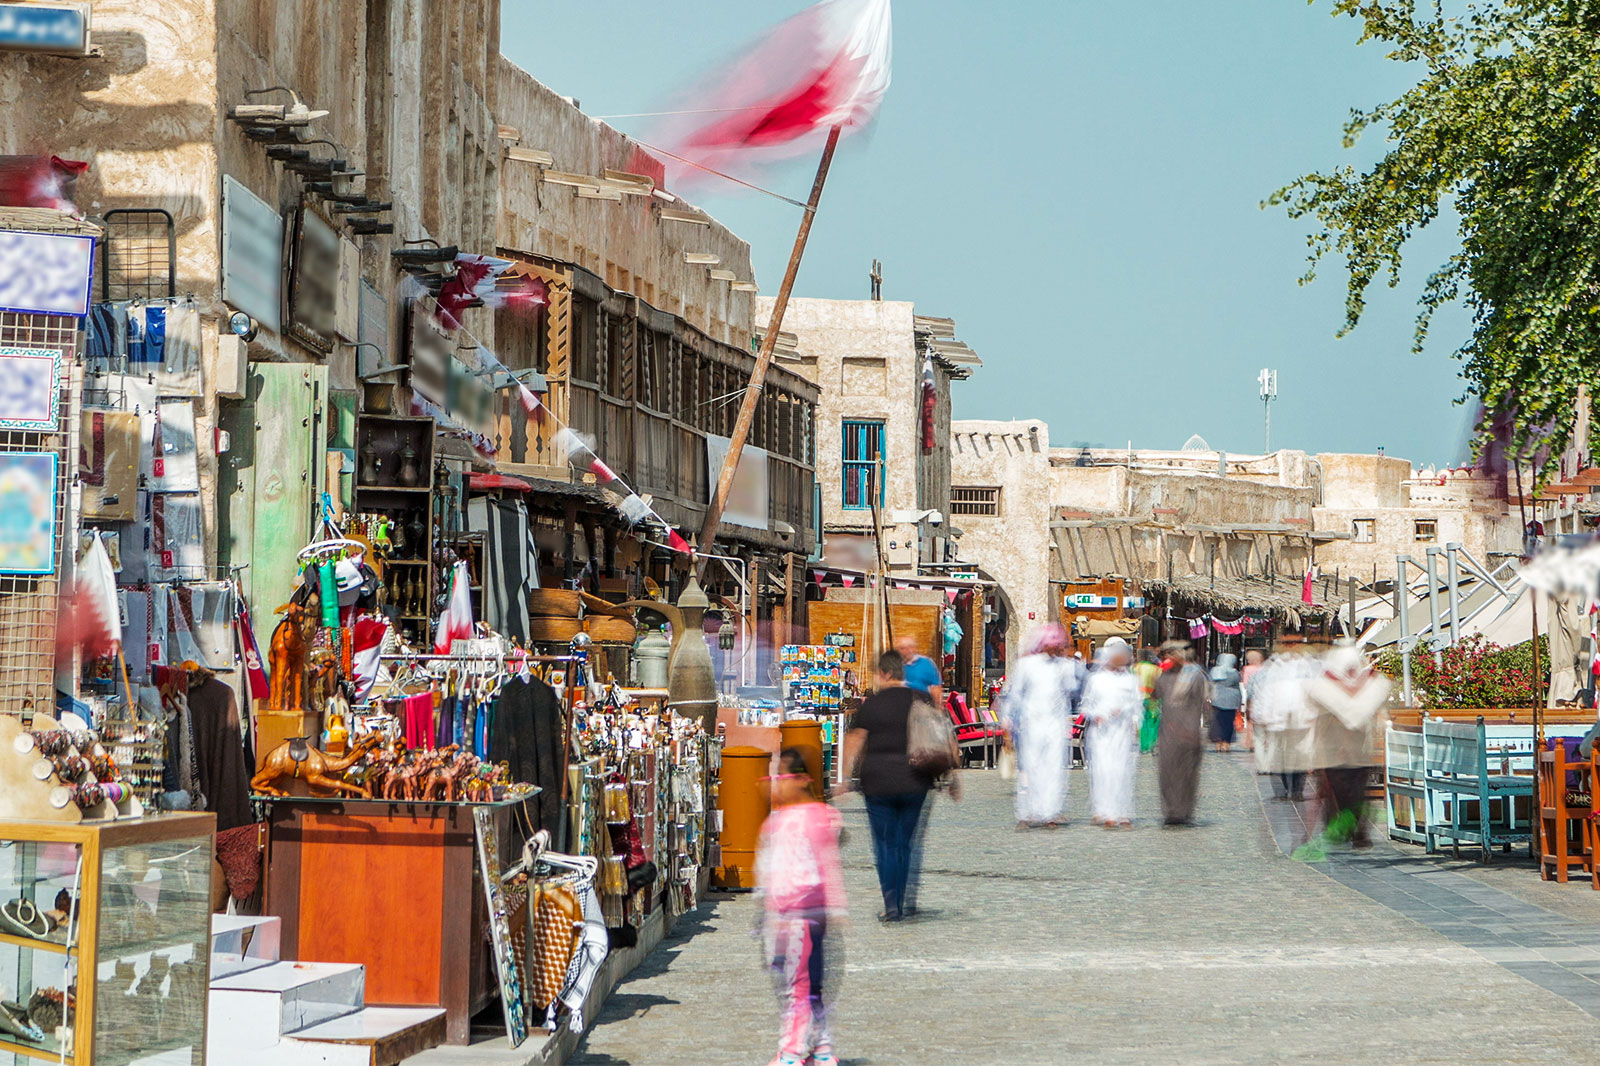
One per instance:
[(291, 645), (297, 759)]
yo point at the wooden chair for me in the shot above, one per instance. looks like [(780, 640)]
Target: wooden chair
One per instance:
[(1564, 849)]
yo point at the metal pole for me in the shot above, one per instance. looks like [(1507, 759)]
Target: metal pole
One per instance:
[(1433, 609), (1353, 634), (1453, 580), (758, 374), (1402, 599)]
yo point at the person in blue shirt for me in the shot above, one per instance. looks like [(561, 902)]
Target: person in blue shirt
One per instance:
[(921, 672)]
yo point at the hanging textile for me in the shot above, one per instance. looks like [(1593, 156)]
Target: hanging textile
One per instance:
[(555, 920), (173, 452), (593, 943), (177, 550), (527, 734), (220, 752), (507, 563)]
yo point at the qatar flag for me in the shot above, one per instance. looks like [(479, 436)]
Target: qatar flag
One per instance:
[(455, 622), (94, 621), (827, 66)]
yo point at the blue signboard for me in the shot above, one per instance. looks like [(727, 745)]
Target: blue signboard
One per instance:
[(43, 28)]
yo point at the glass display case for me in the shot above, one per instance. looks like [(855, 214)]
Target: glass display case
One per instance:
[(104, 930)]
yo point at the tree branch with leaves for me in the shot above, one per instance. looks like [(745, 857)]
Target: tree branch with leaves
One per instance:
[(1503, 126)]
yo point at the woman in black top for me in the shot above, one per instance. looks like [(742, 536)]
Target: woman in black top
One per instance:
[(896, 793)]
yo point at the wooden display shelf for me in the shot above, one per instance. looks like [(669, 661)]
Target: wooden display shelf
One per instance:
[(39, 945), (32, 1051)]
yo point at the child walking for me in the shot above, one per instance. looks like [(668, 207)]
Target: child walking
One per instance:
[(800, 886)]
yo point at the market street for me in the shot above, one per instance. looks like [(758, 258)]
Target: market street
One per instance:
[(1145, 946)]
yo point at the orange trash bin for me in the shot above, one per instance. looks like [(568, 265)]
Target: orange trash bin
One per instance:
[(744, 796), (806, 735)]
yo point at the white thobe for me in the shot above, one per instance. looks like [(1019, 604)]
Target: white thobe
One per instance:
[(1038, 706), (1114, 706)]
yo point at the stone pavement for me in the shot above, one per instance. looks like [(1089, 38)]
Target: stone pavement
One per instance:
[(1145, 946)]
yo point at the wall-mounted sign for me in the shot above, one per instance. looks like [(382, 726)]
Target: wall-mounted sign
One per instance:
[(59, 28), (747, 502), (29, 394), (45, 273), (1084, 600), (314, 280), (252, 255), (27, 512)]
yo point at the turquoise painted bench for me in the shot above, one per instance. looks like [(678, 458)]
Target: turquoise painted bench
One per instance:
[(1457, 774)]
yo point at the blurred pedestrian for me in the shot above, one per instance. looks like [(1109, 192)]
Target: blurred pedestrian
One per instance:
[(1348, 697), (1115, 708), (1283, 719), (1253, 660), (1227, 696), (896, 793), (922, 673), (1147, 671), (1040, 701), (1185, 716), (800, 882)]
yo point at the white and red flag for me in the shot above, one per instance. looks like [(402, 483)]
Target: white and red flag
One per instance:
[(827, 66), (455, 622)]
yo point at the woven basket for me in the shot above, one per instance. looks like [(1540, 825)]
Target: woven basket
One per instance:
[(604, 630), (554, 603), (546, 630)]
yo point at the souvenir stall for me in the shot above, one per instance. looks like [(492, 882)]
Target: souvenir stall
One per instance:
[(645, 782), (104, 907)]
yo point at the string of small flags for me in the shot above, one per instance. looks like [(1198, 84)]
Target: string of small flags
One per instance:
[(1245, 623)]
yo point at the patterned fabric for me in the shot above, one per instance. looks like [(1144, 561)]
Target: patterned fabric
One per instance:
[(555, 919)]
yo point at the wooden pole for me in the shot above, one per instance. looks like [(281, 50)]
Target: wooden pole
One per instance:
[(752, 392)]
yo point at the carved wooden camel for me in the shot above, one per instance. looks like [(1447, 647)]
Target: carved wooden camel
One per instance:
[(291, 644), (297, 759)]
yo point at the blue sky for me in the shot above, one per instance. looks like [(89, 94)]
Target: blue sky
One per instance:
[(1078, 184)]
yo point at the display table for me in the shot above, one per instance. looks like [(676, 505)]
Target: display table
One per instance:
[(394, 886)]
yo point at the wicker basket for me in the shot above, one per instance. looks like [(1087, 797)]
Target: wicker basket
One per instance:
[(554, 603), (603, 630), (543, 629)]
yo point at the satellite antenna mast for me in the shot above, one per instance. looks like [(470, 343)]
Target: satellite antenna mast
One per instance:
[(1268, 380)]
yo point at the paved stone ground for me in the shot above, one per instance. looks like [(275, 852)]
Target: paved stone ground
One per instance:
[(1141, 946)]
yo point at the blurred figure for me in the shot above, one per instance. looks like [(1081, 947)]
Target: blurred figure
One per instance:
[(1283, 720), (1227, 696), (1040, 701), (896, 793), (1147, 671), (1253, 659), (1115, 708), (1185, 714), (801, 893), (922, 673), (1348, 697)]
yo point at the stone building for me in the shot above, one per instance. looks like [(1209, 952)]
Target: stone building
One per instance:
[(317, 169), (1102, 535), (1389, 509), (876, 444)]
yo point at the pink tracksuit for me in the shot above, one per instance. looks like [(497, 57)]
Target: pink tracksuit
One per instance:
[(802, 886)]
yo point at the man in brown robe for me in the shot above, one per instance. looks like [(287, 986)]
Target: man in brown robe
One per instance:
[(1185, 711)]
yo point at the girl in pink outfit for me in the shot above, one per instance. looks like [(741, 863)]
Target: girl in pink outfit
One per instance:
[(800, 886)]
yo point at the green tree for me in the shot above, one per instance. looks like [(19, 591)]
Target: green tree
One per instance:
[(1503, 125)]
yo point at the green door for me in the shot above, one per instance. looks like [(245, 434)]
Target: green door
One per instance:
[(271, 479)]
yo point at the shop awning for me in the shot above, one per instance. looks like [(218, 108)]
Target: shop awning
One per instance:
[(1239, 595), (497, 482)]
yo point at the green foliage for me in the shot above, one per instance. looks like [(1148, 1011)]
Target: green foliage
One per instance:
[(1475, 673), (1502, 125)]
